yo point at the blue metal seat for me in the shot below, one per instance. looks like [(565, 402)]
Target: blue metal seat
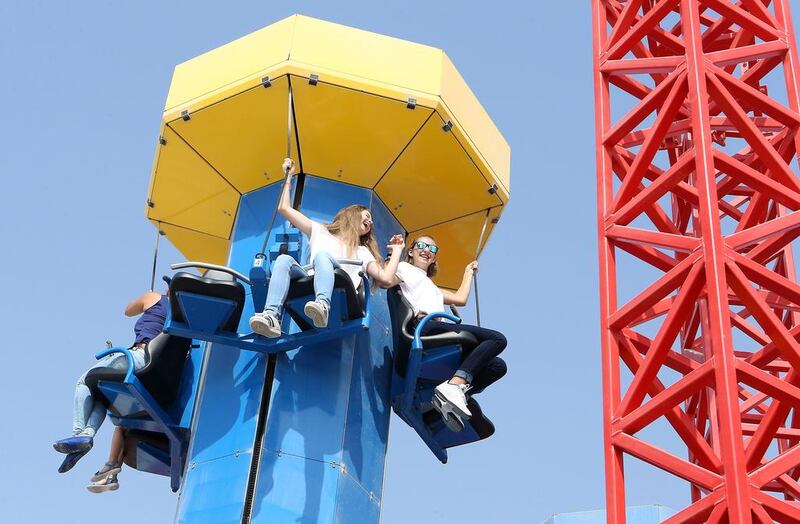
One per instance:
[(209, 308), (421, 363), (142, 401)]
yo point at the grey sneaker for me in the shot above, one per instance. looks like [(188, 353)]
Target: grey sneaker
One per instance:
[(266, 324), (107, 483), (317, 311)]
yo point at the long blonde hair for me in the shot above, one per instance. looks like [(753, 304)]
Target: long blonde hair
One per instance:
[(346, 225)]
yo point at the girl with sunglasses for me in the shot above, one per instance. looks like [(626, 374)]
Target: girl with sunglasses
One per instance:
[(481, 366), (349, 236)]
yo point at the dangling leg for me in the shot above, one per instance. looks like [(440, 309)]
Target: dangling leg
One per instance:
[(84, 421), (488, 375), (268, 323), (319, 308), (453, 391), (106, 478)]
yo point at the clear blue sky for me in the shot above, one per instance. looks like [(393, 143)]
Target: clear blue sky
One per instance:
[(82, 87)]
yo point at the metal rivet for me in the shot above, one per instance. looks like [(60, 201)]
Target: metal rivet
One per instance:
[(492, 189), (495, 220), (447, 126), (150, 203), (411, 103), (266, 82), (162, 140), (185, 115), (313, 79)]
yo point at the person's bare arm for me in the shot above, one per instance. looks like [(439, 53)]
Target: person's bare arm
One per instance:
[(459, 298), (139, 304), (298, 219), (386, 276)]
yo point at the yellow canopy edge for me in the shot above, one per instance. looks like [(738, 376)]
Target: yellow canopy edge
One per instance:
[(223, 133)]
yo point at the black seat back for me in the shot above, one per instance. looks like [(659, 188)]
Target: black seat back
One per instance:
[(212, 287), (341, 280), (401, 314), (161, 374)]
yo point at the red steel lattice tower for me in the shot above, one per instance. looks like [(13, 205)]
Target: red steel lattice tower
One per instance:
[(697, 133)]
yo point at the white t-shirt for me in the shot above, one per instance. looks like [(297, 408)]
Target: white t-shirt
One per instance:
[(322, 241), (419, 290)]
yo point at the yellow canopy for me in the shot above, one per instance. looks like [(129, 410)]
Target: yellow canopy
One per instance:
[(369, 110)]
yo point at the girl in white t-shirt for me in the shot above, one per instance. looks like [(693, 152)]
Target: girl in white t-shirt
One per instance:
[(349, 236), (480, 366)]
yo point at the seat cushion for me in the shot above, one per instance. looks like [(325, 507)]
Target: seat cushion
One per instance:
[(212, 287)]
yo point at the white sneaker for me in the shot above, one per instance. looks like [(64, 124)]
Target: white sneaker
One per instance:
[(455, 395), (317, 311), (266, 324)]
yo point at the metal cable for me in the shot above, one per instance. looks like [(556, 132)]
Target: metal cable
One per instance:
[(155, 257), (288, 155), (475, 276)]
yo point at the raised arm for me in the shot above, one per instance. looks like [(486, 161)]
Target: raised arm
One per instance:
[(459, 298), (386, 276), (298, 219), (139, 304)]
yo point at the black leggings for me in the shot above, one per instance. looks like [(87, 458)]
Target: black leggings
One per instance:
[(481, 366)]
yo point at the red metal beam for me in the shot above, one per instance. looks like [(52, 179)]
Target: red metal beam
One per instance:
[(721, 228)]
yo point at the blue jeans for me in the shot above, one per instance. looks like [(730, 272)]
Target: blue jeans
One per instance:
[(89, 414), (287, 269)]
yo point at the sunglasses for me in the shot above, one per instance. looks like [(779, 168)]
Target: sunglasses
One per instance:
[(431, 247)]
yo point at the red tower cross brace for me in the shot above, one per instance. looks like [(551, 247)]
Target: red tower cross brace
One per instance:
[(695, 181)]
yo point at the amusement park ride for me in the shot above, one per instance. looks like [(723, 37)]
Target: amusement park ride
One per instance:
[(295, 429), (697, 121)]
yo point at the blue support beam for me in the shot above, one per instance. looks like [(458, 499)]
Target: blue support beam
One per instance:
[(293, 429)]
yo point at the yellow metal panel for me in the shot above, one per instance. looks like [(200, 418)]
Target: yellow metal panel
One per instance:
[(434, 180), (196, 246), (368, 55), (458, 241), (472, 118), (243, 136), (230, 63), (351, 136), (187, 192)]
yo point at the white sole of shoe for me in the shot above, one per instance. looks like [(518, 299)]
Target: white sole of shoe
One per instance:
[(450, 415), (454, 423), (315, 313), (102, 488), (101, 476), (262, 327), (453, 407)]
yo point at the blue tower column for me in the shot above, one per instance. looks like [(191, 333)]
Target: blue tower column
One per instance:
[(299, 436)]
